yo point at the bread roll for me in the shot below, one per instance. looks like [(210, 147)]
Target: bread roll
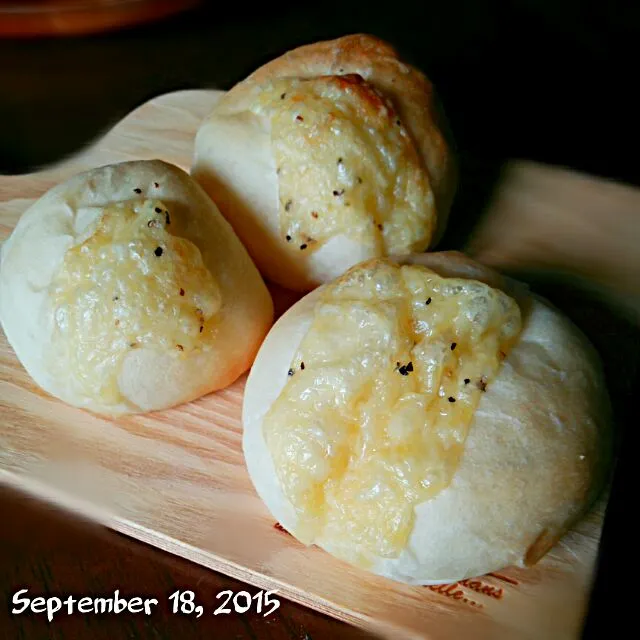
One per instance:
[(125, 290), (331, 154), (423, 424)]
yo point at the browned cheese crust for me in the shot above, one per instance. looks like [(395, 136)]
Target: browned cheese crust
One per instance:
[(409, 90)]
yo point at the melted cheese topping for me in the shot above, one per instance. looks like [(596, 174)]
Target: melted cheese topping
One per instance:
[(379, 400), (346, 165), (130, 284)]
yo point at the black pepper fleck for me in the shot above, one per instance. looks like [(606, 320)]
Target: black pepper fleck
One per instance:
[(116, 298), (201, 328), (314, 214), (453, 345), (338, 193), (451, 399), (158, 210), (299, 118), (179, 347), (398, 122), (287, 205), (380, 227), (290, 372), (428, 301), (288, 238), (133, 345), (339, 160), (302, 365), (405, 369), (303, 246), (138, 190), (283, 96), (467, 381), (181, 291), (359, 179), (167, 217), (158, 251), (156, 185)]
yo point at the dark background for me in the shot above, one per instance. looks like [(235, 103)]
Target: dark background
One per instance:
[(549, 81)]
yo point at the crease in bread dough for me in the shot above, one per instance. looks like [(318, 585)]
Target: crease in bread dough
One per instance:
[(127, 283), (379, 401)]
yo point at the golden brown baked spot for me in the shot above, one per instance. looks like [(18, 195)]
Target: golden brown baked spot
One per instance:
[(346, 165), (379, 401), (130, 284)]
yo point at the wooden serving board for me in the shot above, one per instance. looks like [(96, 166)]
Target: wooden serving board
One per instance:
[(177, 480)]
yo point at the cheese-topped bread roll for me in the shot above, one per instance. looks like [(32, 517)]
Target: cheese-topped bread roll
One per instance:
[(328, 155), (125, 290), (423, 424)]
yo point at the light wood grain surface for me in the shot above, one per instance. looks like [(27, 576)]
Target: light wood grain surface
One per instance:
[(51, 553), (177, 480)]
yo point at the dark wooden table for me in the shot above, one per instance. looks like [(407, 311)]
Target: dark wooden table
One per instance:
[(546, 80)]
